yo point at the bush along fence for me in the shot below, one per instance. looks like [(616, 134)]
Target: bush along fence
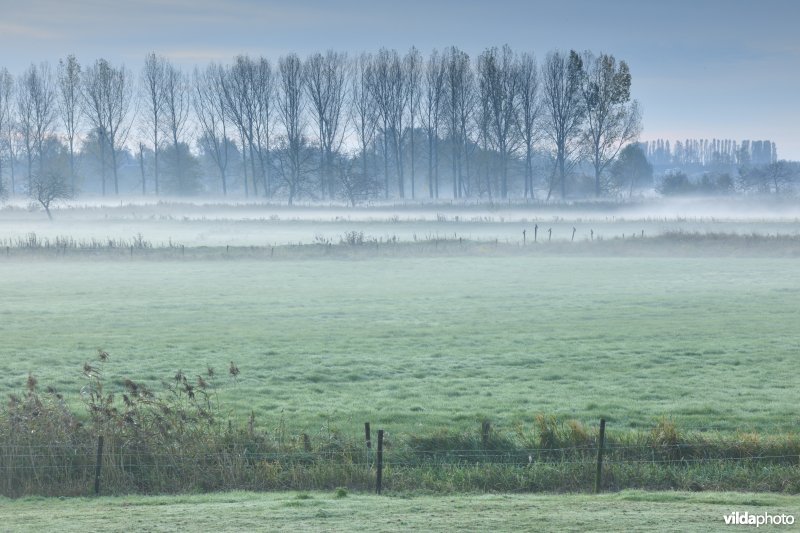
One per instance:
[(136, 441)]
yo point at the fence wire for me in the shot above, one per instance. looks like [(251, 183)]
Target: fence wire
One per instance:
[(324, 459)]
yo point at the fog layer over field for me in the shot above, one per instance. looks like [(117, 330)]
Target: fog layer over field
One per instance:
[(220, 222)]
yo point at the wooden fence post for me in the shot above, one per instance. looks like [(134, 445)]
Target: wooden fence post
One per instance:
[(598, 479), (367, 435), (98, 465), (379, 476), (486, 431)]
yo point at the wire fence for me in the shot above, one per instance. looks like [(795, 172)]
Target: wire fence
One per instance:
[(74, 466)]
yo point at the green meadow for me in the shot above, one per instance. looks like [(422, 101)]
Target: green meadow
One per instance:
[(418, 343), (339, 511)]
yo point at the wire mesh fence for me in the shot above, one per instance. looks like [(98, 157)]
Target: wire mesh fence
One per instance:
[(485, 460)]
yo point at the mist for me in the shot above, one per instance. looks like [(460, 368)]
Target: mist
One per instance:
[(223, 222)]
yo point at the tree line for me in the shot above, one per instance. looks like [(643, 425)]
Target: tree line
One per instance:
[(720, 167), (710, 153), (377, 125)]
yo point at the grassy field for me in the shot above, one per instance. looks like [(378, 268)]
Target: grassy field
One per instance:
[(418, 344), (626, 511)]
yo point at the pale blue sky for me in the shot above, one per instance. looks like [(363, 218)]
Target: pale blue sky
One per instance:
[(714, 68)]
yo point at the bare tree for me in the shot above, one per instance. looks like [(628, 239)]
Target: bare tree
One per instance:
[(355, 186), (69, 100), (241, 105), (412, 66), (612, 119), (782, 173), (209, 106), (564, 111), (771, 177), (529, 113), (36, 100), (499, 83), (364, 114), (397, 110), (379, 88), (460, 95), (176, 111), (387, 92), (291, 106), (26, 119), (483, 123), (154, 97), (6, 124), (466, 123), (106, 100), (264, 99), (48, 187), (434, 108), (325, 84)]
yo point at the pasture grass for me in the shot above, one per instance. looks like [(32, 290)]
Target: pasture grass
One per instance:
[(329, 511), (424, 343)]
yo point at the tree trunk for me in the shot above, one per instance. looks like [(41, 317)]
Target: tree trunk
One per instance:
[(504, 174), (155, 154), (398, 156), (30, 169), (430, 165), (529, 171), (597, 175), (364, 159), (455, 168), (436, 164), (103, 165), (322, 162), (114, 165), (72, 165), (155, 164), (267, 170), (244, 168), (413, 192), (465, 182), (13, 177), (331, 180), (385, 164), (253, 170), (141, 167)]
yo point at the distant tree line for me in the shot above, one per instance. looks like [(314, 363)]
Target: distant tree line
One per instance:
[(709, 154), (378, 125), (720, 166)]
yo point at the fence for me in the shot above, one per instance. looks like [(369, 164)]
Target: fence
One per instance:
[(486, 460)]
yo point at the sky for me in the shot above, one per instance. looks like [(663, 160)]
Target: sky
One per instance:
[(701, 68)]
